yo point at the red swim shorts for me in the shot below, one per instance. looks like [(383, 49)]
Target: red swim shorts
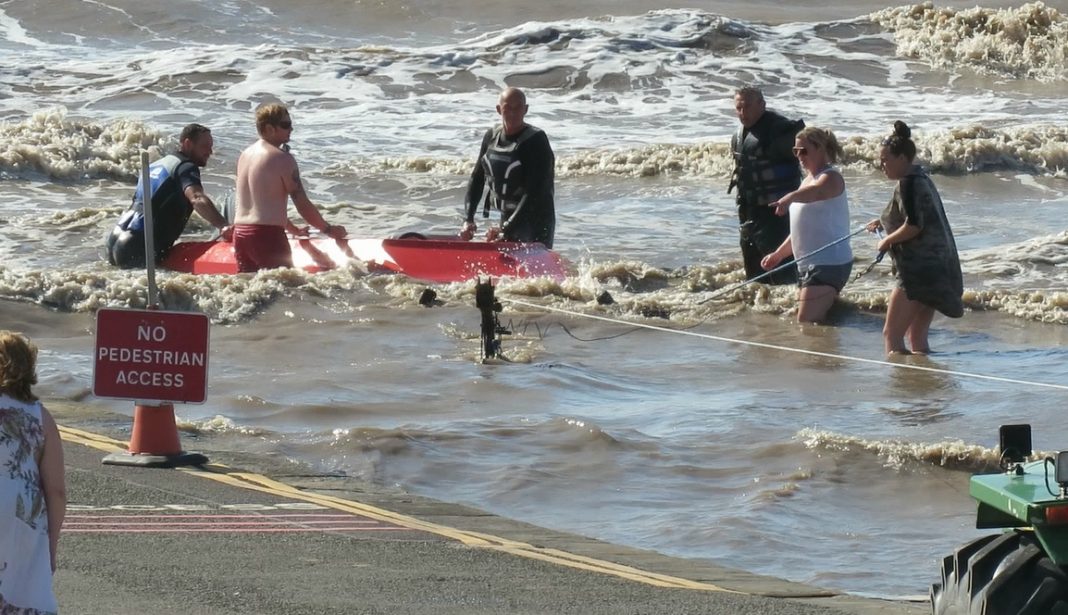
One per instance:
[(261, 246)]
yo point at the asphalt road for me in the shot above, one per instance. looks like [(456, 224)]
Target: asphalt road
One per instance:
[(222, 540)]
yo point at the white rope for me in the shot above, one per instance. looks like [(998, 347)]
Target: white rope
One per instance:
[(814, 353), (792, 263)]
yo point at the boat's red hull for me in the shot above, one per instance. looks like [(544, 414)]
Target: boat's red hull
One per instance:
[(434, 260)]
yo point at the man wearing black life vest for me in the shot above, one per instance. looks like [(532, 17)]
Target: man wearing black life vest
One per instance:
[(176, 193), (764, 169), (514, 174)]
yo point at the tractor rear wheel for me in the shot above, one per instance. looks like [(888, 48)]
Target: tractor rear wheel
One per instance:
[(1001, 574)]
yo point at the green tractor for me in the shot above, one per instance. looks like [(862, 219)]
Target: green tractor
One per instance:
[(1023, 570)]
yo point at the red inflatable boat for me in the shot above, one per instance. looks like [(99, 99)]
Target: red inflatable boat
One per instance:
[(434, 259)]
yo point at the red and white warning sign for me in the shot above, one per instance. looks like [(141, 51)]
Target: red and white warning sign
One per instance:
[(151, 355)]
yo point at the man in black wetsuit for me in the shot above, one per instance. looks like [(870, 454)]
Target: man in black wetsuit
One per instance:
[(176, 193), (514, 174), (764, 169)]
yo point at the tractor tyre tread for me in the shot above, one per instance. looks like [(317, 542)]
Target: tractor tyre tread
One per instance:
[(1001, 574)]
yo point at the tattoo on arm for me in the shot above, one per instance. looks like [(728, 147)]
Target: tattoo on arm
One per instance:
[(298, 187)]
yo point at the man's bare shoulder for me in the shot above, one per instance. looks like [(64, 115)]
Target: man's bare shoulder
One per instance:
[(263, 153), (250, 154)]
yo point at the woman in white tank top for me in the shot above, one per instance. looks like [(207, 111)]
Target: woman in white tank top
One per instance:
[(819, 220)]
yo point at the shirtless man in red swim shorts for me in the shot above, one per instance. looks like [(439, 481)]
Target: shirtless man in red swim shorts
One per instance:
[(267, 176)]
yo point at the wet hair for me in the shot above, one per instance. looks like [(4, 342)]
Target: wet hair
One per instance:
[(750, 92), (18, 366), (824, 139), (193, 131), (270, 114), (900, 141)]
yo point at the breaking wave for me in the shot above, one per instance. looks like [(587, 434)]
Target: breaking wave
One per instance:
[(975, 148), (51, 144), (952, 455), (1028, 42)]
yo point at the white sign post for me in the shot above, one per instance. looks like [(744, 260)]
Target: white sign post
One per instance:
[(153, 356), (150, 230)]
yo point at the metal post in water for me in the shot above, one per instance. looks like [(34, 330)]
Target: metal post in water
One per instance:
[(150, 237), (488, 305)]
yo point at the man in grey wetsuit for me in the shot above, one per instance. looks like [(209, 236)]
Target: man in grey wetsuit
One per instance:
[(514, 173)]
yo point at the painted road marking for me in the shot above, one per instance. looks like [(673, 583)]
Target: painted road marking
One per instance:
[(263, 484), (193, 524), (77, 508)]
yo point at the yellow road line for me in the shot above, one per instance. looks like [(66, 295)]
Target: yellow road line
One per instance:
[(241, 479), (480, 540), (92, 440), (256, 482)]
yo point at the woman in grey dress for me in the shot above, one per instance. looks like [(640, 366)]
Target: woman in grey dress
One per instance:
[(921, 244)]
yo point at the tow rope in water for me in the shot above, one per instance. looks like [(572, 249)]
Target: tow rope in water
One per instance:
[(814, 353), (791, 263)]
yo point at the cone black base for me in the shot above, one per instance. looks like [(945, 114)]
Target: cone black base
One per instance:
[(155, 461)]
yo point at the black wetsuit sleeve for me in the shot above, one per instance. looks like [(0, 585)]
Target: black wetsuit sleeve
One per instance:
[(783, 136), (735, 155), (477, 183), (539, 163), (188, 175)]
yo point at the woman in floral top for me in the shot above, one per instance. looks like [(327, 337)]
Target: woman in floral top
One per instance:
[(33, 498)]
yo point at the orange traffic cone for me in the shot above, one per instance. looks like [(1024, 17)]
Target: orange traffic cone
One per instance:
[(154, 431), (154, 441)]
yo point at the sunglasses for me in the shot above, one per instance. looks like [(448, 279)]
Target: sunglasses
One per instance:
[(800, 151), (286, 124)]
